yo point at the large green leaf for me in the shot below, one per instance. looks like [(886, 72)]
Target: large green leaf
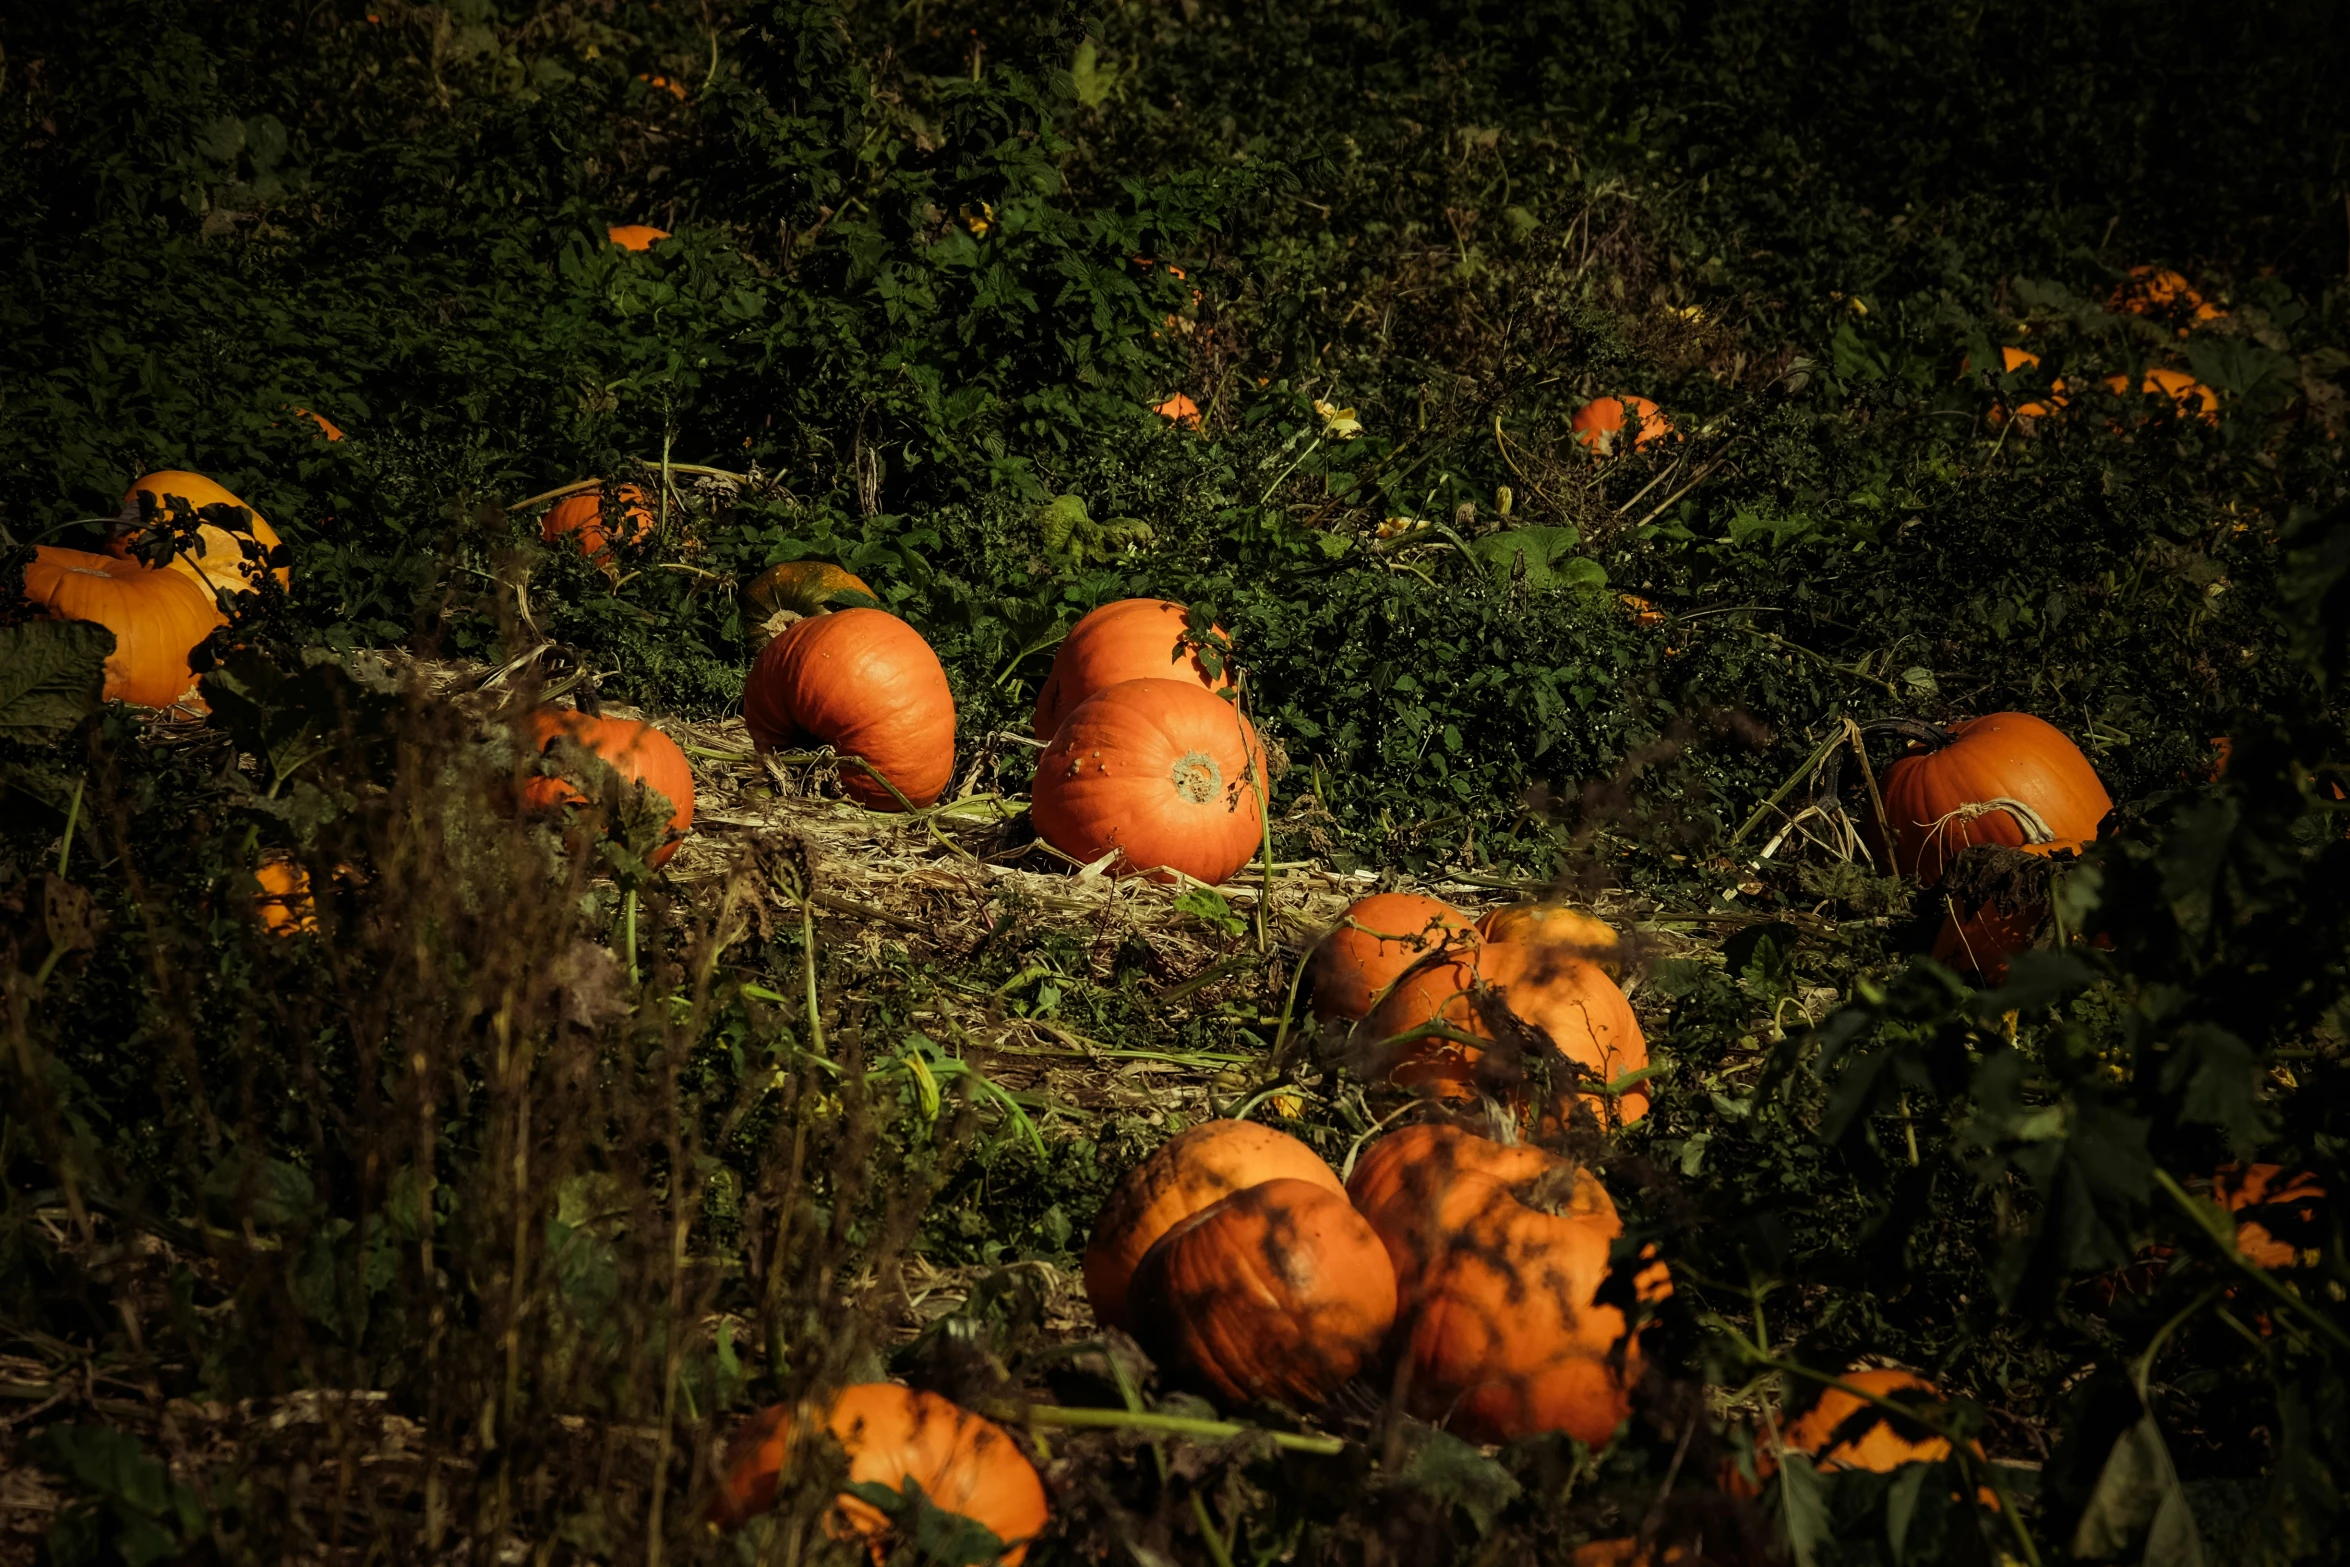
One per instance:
[(52, 676)]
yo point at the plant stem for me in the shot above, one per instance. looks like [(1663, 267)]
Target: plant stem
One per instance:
[(1063, 1415), (73, 814), (2223, 1240), (628, 932)]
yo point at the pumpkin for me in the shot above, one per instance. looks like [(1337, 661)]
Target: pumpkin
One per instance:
[(793, 590), (1547, 985), (1557, 925), (1967, 789), (1599, 424), (635, 236), (2188, 395), (1376, 940), (965, 1464), (1163, 772), (1195, 1169), (2013, 359), (157, 617), (2284, 1203), (1278, 1293), (636, 751), (863, 682), (284, 905), (1624, 1552), (1499, 1253), (221, 567), (325, 425), (2158, 291), (583, 515), (1132, 639)]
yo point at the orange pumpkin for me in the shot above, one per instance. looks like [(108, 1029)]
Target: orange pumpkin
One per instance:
[(1163, 772), (1281, 1292), (284, 904), (1195, 1169), (2290, 1204), (326, 426), (1376, 940), (221, 566), (157, 618), (1846, 1431), (863, 682), (1132, 639), (1557, 925), (1499, 1253), (1599, 424), (2190, 396), (2158, 291), (2011, 360), (1625, 1552), (635, 236), (636, 751), (1964, 791), (581, 516), (1979, 938), (965, 1465), (1551, 986), (793, 590)]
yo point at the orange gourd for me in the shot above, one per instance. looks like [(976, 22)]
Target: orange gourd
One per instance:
[(793, 590), (1163, 772), (1941, 797), (581, 518), (1499, 1253), (1132, 639), (965, 1465), (1599, 424), (2285, 1214), (636, 751), (635, 236), (157, 617), (1193, 1170), (863, 682), (1376, 940), (222, 567), (1280, 1292), (1557, 925)]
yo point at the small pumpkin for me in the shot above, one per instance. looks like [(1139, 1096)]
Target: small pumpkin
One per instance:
[(157, 617), (636, 751), (222, 566), (2159, 291), (964, 1464), (1557, 925), (284, 905), (1967, 789), (1280, 1293), (1599, 424), (1499, 1254), (793, 590), (1131, 639), (1375, 941), (863, 682), (1164, 772), (635, 236), (1195, 1169), (581, 518), (2280, 1223), (1845, 1431), (2189, 396)]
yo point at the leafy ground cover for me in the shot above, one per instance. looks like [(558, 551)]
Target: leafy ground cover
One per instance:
[(472, 1220)]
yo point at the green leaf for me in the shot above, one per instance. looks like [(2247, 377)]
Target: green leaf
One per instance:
[(52, 674), (1211, 909), (1802, 1507), (1093, 81), (2138, 1512), (1451, 1473)]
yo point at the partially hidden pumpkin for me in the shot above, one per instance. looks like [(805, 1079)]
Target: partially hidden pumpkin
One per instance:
[(1558, 925), (1625, 1552), (284, 905), (1193, 1170), (1280, 1292), (635, 236), (1599, 424), (793, 590), (964, 1464), (326, 426), (2279, 1214), (863, 682), (1499, 1254), (580, 518), (1968, 789), (1131, 639), (1846, 1431), (2158, 291), (221, 566), (1163, 773), (1376, 940), (157, 617), (638, 752), (2189, 396)]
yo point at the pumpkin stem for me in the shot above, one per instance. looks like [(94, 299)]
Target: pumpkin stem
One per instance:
[(1196, 777), (1932, 736), (2035, 826)]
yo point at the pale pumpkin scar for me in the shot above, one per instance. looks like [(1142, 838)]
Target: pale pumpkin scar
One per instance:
[(1196, 777)]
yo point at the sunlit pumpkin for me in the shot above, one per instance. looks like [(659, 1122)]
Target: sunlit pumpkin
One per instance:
[(1375, 941), (1499, 1254), (2280, 1215), (222, 566), (1939, 799), (1131, 639), (863, 682), (157, 617), (1599, 424), (1280, 1292), (581, 518), (1979, 936), (1557, 925), (793, 590), (635, 236), (1195, 1169), (1164, 773), (636, 751), (964, 1464)]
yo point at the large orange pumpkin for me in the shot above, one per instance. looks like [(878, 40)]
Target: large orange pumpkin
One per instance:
[(1599, 424), (1555, 924), (1551, 986), (1164, 772), (581, 517), (1376, 940), (793, 590), (965, 1465), (157, 617), (1940, 799), (1132, 639), (222, 566), (1979, 937), (1195, 1169), (865, 683), (1499, 1254), (636, 751), (1281, 1292)]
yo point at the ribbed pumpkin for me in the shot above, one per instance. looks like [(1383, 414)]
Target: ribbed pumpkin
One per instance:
[(157, 617), (222, 568), (865, 683), (636, 751), (1550, 986), (965, 1465), (1599, 424), (1554, 924), (1281, 1292), (1940, 800), (1162, 771), (635, 236), (581, 518), (1195, 1169), (1376, 940), (1132, 639), (1499, 1253), (793, 590)]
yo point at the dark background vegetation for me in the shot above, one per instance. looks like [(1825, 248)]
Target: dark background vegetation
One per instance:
[(934, 266)]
